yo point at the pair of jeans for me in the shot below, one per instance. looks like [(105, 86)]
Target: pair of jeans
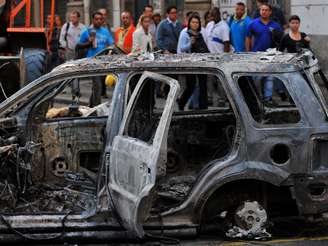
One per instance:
[(189, 90), (267, 86), (75, 88), (194, 99)]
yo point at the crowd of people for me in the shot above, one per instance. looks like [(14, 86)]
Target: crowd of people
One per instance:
[(265, 29)]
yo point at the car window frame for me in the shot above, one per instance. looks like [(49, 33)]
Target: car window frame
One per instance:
[(316, 88), (63, 85), (235, 77), (220, 75), (47, 82), (168, 71)]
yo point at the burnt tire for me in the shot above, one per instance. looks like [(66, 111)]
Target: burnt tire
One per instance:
[(35, 64)]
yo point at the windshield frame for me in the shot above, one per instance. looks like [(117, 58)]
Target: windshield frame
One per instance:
[(43, 85)]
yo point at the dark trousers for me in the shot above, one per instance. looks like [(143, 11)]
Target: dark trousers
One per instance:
[(190, 87), (103, 87), (95, 98), (75, 88)]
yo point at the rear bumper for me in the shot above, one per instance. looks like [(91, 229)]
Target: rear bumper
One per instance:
[(311, 193)]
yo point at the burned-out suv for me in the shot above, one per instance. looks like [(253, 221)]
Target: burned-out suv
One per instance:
[(138, 164)]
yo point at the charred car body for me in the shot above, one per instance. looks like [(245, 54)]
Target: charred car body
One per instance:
[(136, 165)]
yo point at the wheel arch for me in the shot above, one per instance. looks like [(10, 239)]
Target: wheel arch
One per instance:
[(245, 172)]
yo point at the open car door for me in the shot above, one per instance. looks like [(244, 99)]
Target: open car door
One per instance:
[(139, 150)]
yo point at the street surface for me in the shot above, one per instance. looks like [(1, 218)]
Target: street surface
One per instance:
[(65, 98), (301, 241), (289, 233)]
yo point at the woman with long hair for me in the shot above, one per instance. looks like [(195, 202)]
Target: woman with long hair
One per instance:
[(191, 40), (142, 38)]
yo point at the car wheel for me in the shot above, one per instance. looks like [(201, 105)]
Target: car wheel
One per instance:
[(249, 221)]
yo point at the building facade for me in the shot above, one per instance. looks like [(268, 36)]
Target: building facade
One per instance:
[(314, 14)]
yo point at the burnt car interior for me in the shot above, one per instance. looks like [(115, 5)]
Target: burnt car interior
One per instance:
[(56, 170), (59, 163), (282, 110), (195, 138), (60, 160)]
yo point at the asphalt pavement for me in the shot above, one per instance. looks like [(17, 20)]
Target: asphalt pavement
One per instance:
[(301, 241)]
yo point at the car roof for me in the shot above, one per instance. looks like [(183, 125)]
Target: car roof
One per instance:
[(262, 62), (236, 61)]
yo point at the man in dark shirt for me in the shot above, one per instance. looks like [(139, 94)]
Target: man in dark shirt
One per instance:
[(168, 32), (277, 14)]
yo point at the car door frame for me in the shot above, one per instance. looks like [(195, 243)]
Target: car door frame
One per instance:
[(130, 201)]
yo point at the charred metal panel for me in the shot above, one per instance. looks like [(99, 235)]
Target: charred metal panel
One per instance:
[(62, 143), (135, 164), (319, 153), (311, 193)]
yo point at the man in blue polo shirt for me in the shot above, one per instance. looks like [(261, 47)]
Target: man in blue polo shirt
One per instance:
[(260, 38), (94, 40), (238, 24), (260, 31), (277, 14)]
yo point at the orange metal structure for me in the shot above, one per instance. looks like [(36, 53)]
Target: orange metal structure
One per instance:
[(28, 28)]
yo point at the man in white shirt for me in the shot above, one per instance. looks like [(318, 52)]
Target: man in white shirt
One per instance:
[(217, 33), (168, 32), (218, 41), (70, 36)]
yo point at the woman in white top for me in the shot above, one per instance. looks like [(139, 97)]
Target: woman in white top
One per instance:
[(142, 38)]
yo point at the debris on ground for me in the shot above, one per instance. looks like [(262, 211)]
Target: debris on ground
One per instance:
[(176, 188)]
